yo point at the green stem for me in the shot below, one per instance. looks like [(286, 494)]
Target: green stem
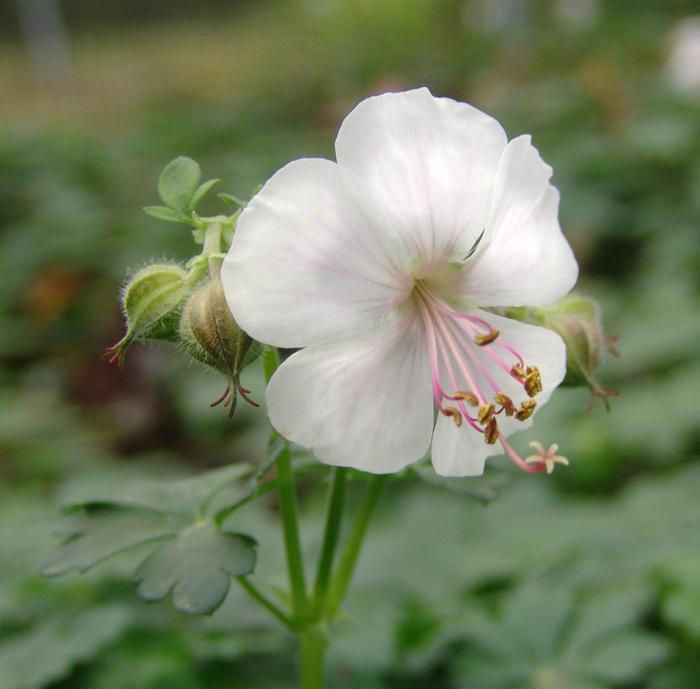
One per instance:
[(348, 559), (290, 529), (312, 647), (212, 247), (289, 509), (261, 598), (334, 516)]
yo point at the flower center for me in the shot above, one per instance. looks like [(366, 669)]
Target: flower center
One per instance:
[(457, 343)]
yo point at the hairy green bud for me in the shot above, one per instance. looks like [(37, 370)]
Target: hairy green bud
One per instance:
[(151, 301), (210, 335)]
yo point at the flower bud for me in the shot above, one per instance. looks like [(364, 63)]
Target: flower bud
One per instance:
[(151, 301), (210, 335), (577, 320)]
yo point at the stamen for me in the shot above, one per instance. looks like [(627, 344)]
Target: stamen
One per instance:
[(487, 339), (453, 382), (527, 408), (530, 378), (485, 413), (435, 344), (491, 432), (455, 414), (466, 396), (506, 404), (449, 341), (458, 334), (533, 381), (451, 338)]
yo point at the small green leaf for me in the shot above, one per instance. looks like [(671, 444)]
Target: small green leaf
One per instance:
[(178, 183), (196, 567), (167, 214), (201, 192)]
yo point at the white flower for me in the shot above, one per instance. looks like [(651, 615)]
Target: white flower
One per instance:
[(683, 66), (377, 266)]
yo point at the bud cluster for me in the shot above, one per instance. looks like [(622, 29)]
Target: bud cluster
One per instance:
[(186, 304)]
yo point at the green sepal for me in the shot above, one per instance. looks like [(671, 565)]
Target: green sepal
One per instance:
[(210, 335), (151, 301), (201, 192), (232, 200)]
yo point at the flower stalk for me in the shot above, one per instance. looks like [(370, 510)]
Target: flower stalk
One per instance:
[(334, 515), (289, 511), (309, 613), (351, 553)]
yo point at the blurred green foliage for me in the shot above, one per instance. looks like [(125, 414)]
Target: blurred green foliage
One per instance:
[(587, 580)]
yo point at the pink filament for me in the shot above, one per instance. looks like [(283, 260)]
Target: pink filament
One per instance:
[(450, 337)]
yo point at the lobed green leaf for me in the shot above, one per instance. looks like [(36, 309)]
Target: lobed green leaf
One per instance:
[(195, 567)]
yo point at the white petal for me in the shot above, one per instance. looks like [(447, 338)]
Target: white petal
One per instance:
[(462, 451), (311, 258), (524, 259), (363, 402), (431, 161), (459, 451)]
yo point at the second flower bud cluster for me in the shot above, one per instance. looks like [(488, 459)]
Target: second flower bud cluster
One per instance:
[(165, 302)]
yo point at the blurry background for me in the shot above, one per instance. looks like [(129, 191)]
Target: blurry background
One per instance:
[(588, 579)]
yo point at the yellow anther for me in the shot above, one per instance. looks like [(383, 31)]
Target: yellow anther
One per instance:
[(468, 397), (485, 413), (487, 339), (506, 403), (491, 431), (526, 410), (533, 381), (455, 414)]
